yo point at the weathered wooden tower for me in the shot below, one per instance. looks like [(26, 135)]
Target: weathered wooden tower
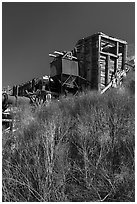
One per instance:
[(99, 58), (92, 64)]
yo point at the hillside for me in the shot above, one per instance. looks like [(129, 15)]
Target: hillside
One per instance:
[(77, 149)]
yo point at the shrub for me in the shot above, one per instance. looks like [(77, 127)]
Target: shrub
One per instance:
[(76, 149)]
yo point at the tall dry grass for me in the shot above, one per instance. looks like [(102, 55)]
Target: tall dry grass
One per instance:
[(77, 149)]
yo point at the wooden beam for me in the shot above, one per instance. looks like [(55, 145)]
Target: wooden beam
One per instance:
[(109, 54), (7, 120), (124, 56), (57, 52), (107, 87), (116, 60), (112, 39), (107, 70), (51, 55)]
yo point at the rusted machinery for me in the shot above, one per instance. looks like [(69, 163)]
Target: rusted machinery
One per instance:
[(9, 104)]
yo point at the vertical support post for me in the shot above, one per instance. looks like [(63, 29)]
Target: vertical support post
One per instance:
[(61, 90), (116, 60), (17, 90), (107, 70), (124, 55)]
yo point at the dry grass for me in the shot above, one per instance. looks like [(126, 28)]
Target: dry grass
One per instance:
[(77, 149)]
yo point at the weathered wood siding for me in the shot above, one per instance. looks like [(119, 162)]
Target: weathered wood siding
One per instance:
[(99, 57)]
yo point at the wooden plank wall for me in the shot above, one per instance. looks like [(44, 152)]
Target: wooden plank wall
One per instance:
[(96, 64), (87, 54)]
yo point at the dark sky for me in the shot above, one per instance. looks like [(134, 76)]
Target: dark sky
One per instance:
[(30, 31)]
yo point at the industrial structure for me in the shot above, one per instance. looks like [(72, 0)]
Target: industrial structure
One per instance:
[(97, 62), (92, 64)]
